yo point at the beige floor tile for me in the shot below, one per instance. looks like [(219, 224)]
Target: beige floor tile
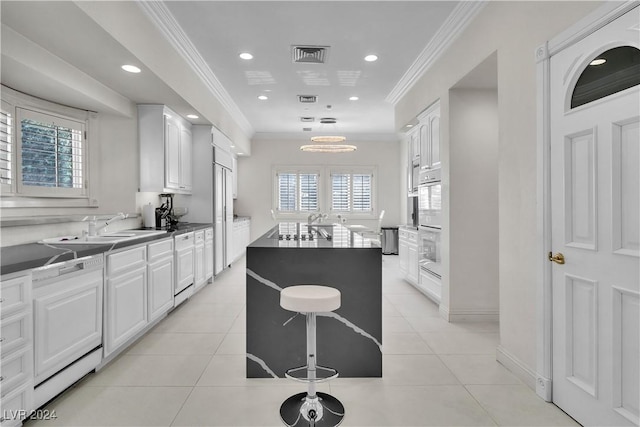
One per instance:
[(518, 405), (233, 344), (395, 324), (200, 307), (479, 369), (151, 370), (375, 405), (416, 369), (178, 323), (225, 370), (240, 324), (404, 343), (177, 343), (462, 342), (116, 406), (429, 323), (413, 304)]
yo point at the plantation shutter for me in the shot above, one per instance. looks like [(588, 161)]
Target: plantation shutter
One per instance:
[(362, 193), (309, 192), (287, 191), (340, 191), (6, 148)]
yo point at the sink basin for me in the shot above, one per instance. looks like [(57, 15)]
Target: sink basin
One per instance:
[(102, 239)]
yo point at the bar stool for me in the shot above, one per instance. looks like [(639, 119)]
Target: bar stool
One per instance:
[(311, 408)]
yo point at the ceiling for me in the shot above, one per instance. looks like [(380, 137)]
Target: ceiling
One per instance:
[(396, 31)]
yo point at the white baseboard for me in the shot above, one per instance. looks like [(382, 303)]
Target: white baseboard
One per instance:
[(516, 366), (470, 315)]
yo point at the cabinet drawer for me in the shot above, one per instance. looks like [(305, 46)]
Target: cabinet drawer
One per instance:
[(16, 405), (184, 241), (15, 295), (160, 250), (16, 369), (126, 260), (199, 237), (15, 332), (208, 234)]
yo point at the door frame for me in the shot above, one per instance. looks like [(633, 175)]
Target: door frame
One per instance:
[(597, 19)]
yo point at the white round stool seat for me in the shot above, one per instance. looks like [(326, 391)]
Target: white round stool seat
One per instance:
[(310, 298)]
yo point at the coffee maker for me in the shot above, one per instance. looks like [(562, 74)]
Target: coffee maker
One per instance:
[(165, 218)]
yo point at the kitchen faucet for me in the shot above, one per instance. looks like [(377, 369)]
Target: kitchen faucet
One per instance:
[(93, 225), (317, 217)]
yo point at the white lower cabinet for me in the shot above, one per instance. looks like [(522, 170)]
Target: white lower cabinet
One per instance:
[(160, 276), (16, 350), (126, 297), (241, 236), (208, 253), (199, 276), (408, 253)]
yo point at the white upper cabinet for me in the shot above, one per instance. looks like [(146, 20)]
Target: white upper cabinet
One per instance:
[(429, 135), (165, 150)]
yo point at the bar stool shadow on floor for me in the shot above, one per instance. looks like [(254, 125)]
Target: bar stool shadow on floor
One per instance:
[(311, 408)]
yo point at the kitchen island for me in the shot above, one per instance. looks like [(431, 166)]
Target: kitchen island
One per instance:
[(348, 339)]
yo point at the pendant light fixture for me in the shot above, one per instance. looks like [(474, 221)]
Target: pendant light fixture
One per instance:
[(328, 143)]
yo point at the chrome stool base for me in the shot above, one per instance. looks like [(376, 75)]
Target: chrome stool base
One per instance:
[(324, 410)]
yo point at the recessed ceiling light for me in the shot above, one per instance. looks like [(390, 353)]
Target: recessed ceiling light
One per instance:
[(409, 125), (131, 68), (353, 98), (598, 61), (192, 116), (246, 55), (371, 58), (263, 97)]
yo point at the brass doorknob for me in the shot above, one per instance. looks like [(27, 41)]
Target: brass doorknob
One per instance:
[(557, 258)]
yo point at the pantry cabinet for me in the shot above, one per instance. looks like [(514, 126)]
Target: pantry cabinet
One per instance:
[(165, 150)]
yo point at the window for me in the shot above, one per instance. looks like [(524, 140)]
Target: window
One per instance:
[(352, 192), (44, 153), (51, 153), (297, 191)]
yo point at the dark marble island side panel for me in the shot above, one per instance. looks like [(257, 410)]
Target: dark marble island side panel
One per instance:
[(348, 339)]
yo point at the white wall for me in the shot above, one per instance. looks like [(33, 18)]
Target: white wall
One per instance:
[(472, 274), (514, 30), (255, 177)]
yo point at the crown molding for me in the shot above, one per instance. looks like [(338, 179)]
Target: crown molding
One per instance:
[(455, 24), (162, 18)]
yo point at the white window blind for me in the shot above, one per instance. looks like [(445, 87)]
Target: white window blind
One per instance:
[(297, 192), (51, 153), (351, 192), (6, 147)]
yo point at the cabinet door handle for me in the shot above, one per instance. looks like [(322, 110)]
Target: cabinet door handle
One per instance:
[(1, 379)]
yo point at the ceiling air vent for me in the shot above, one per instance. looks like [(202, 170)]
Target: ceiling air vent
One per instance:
[(306, 129), (308, 99), (309, 54), (307, 119), (328, 120)]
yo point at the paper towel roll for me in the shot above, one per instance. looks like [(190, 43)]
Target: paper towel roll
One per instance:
[(149, 216)]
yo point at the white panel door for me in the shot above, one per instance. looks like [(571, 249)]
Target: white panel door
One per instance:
[(595, 198)]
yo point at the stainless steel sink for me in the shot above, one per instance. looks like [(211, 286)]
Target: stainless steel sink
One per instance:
[(102, 239)]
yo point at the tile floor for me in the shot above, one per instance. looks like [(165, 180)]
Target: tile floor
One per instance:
[(190, 371)]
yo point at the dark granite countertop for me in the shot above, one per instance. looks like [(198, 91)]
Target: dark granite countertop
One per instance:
[(324, 236), (33, 255)]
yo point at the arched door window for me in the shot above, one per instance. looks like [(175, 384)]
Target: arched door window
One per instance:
[(612, 71)]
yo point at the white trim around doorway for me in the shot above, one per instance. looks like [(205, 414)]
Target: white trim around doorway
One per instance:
[(602, 16)]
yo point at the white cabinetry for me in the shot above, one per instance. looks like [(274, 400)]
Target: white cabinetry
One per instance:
[(185, 265), (16, 350), (165, 150), (241, 236), (408, 253), (160, 270), (208, 253), (429, 136), (126, 296), (199, 277)]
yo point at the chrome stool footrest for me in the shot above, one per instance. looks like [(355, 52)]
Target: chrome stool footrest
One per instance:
[(329, 374)]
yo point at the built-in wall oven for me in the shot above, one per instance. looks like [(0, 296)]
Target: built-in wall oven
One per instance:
[(430, 199), (430, 262)]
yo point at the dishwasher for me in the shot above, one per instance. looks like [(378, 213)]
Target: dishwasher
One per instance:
[(67, 322)]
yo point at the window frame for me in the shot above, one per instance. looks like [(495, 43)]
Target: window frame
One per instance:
[(17, 195), (351, 171), (279, 170)]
